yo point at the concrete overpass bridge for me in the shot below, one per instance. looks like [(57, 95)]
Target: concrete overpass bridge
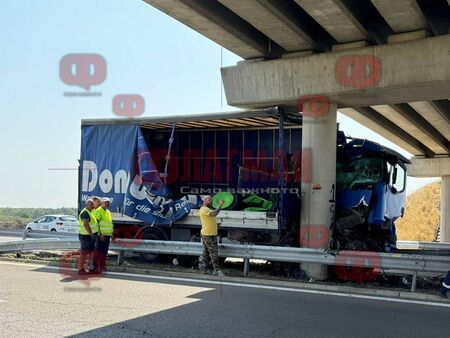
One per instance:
[(384, 63)]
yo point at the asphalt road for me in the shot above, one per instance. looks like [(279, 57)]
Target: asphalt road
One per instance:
[(40, 301)]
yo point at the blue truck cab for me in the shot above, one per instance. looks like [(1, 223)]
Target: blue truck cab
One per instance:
[(371, 184)]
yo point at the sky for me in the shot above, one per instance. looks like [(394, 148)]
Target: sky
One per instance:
[(174, 68)]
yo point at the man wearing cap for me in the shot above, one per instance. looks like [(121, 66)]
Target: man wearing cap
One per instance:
[(106, 231), (209, 236), (87, 234)]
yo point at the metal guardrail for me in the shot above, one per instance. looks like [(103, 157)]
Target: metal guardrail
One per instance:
[(415, 245), (403, 245), (382, 261)]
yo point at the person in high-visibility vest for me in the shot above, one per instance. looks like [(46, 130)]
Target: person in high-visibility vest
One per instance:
[(87, 234), (97, 204), (445, 286), (94, 256), (106, 231)]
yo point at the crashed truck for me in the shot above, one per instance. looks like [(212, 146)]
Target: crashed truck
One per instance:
[(156, 169)]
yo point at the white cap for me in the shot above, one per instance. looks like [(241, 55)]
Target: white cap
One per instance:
[(105, 199)]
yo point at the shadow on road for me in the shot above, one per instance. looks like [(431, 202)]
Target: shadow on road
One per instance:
[(233, 311)]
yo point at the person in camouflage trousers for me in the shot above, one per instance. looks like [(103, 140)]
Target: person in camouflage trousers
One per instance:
[(210, 253), (209, 236)]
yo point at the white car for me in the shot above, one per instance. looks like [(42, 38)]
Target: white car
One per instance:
[(54, 223)]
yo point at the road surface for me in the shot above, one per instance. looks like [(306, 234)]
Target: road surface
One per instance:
[(41, 301)]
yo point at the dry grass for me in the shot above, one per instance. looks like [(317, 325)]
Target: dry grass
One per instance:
[(422, 213)]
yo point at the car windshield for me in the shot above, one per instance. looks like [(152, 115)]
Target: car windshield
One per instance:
[(359, 173)]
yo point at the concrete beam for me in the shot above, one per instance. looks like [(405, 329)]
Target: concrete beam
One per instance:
[(437, 14), (411, 128), (409, 36), (335, 18), (411, 71), (257, 15), (433, 116), (199, 23), (429, 167), (389, 130), (445, 209), (401, 15), (301, 23), (349, 46)]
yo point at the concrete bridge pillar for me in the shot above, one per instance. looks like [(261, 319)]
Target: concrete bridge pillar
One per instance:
[(436, 167), (445, 209), (318, 178)]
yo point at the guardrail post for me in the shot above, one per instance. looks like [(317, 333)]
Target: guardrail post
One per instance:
[(120, 257), (25, 234), (414, 282), (246, 266)]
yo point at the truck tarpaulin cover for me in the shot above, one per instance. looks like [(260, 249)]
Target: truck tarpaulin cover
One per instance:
[(116, 163)]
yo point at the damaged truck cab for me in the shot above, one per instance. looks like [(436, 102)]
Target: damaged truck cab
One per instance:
[(371, 183)]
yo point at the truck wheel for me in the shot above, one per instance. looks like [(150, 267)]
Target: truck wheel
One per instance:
[(151, 233), (189, 261)]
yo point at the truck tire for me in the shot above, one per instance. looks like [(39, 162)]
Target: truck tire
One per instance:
[(152, 233), (232, 201), (189, 261)]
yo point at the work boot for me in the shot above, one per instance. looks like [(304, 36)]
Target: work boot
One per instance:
[(443, 292)]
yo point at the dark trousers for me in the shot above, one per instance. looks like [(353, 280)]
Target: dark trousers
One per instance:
[(87, 246), (210, 253), (102, 251), (446, 281)]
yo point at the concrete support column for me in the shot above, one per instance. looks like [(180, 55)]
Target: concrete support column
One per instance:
[(436, 167), (318, 179), (445, 209)]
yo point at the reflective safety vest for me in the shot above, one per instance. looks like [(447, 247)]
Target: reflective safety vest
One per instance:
[(95, 213), (92, 223), (105, 221)]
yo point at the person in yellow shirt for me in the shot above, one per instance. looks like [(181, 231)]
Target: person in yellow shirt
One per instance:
[(209, 236)]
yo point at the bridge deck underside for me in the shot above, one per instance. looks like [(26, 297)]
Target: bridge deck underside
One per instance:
[(271, 30)]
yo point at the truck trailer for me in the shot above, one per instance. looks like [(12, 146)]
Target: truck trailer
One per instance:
[(156, 169)]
